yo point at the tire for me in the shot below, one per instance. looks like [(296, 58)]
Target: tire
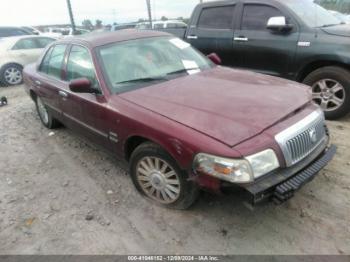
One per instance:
[(331, 90), (11, 74), (187, 192), (44, 114)]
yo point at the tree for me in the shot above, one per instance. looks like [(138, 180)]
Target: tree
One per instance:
[(164, 18), (98, 24), (87, 24)]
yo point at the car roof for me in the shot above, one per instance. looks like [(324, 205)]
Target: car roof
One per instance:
[(7, 42), (168, 21), (104, 38)]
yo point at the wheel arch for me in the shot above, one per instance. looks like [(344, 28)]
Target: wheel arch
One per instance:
[(33, 95), (173, 147), (132, 143), (312, 66), (11, 63)]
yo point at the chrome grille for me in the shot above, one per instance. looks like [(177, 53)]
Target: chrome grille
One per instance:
[(299, 140)]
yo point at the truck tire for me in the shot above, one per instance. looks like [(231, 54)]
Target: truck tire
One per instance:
[(157, 176), (331, 90), (11, 74)]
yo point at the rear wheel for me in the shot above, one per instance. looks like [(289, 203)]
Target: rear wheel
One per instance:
[(331, 90), (11, 75), (156, 175), (45, 116)]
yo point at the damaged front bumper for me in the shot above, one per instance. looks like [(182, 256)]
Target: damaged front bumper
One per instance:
[(280, 185)]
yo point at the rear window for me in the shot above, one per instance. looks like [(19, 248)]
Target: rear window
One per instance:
[(28, 43), (217, 17), (158, 26), (5, 32)]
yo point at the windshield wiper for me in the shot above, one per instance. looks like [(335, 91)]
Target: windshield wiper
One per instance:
[(182, 71), (142, 80)]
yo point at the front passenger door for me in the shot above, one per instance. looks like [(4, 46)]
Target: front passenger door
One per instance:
[(92, 107)]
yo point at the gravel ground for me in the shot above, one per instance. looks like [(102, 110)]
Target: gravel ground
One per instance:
[(60, 194)]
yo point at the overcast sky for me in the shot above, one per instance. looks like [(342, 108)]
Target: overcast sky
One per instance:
[(42, 12)]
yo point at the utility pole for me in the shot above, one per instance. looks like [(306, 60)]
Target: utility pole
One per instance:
[(148, 2), (71, 16)]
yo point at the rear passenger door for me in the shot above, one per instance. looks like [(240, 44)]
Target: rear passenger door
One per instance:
[(261, 49), (214, 32), (49, 82)]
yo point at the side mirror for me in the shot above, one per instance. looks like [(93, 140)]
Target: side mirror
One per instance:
[(279, 23), (81, 85), (215, 58)]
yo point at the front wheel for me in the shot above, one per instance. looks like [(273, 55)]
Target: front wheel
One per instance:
[(331, 90), (157, 176)]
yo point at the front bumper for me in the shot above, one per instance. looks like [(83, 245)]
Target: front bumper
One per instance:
[(281, 184)]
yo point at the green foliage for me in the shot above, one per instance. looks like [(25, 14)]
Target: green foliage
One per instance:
[(87, 24)]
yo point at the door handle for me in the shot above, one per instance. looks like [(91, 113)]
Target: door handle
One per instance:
[(37, 82), (241, 39), (192, 37), (63, 94)]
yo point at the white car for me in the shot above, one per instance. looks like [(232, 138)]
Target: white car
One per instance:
[(342, 17), (60, 32), (18, 51), (174, 24)]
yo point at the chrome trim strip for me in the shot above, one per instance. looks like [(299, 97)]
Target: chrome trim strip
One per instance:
[(105, 135)]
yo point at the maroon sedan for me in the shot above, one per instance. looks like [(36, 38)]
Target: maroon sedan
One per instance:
[(182, 122)]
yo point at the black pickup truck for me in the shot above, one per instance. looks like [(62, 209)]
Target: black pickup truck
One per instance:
[(294, 39)]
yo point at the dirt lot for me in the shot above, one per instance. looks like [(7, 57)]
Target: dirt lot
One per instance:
[(61, 195)]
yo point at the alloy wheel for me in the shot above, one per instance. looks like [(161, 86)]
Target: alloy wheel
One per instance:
[(329, 94), (13, 76), (158, 180)]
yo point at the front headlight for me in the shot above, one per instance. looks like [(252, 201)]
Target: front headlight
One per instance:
[(263, 162), (234, 171), (237, 170)]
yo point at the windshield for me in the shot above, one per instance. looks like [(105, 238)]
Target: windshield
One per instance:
[(313, 14), (138, 63)]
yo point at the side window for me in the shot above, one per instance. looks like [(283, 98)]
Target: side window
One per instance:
[(217, 17), (42, 42), (80, 65), (45, 62), (255, 17), (158, 26), (54, 66), (28, 43)]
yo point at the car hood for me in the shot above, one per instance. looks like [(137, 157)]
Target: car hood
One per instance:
[(228, 105), (338, 30)]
